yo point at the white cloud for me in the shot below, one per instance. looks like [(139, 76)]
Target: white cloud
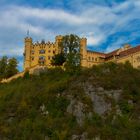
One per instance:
[(23, 13), (94, 40)]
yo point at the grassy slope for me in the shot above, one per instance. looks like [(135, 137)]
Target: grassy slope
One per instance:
[(21, 100)]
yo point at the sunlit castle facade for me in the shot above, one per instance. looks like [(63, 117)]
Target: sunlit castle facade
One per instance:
[(41, 53)]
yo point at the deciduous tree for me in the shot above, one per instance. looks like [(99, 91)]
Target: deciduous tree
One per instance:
[(58, 59), (11, 67), (8, 67), (3, 66), (70, 53)]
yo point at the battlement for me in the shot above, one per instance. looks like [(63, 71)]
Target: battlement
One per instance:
[(44, 43), (59, 37), (28, 39), (83, 38)]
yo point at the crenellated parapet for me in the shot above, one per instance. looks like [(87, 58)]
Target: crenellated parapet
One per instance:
[(37, 44), (59, 37)]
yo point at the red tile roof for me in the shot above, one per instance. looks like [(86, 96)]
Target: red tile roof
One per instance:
[(121, 54), (95, 52), (129, 51), (111, 53)]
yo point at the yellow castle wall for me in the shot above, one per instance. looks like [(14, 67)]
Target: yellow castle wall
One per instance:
[(88, 58), (49, 49), (83, 52), (32, 52), (134, 59), (94, 58)]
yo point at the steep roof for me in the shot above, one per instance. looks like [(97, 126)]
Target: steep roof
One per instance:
[(96, 52), (111, 53), (121, 54), (129, 51)]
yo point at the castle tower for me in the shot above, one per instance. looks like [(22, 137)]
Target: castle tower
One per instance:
[(58, 40), (27, 53), (83, 51)]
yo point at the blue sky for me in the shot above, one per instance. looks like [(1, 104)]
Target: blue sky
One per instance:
[(107, 24)]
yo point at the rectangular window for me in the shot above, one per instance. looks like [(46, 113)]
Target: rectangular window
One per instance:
[(32, 52), (41, 57), (89, 58), (53, 52), (49, 57), (32, 58), (41, 51)]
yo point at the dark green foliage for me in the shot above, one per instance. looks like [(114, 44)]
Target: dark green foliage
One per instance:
[(11, 67), (8, 67), (3, 66), (58, 59), (26, 75), (126, 107), (70, 53), (35, 107), (71, 47), (22, 101)]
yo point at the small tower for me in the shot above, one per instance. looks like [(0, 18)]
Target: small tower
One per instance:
[(27, 52), (83, 51), (58, 40)]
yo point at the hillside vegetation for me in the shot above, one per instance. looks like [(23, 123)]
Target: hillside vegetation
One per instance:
[(100, 103)]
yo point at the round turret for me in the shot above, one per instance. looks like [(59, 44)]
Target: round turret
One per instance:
[(27, 52)]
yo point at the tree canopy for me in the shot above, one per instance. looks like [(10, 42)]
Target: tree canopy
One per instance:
[(58, 59), (3, 66), (70, 52), (8, 67)]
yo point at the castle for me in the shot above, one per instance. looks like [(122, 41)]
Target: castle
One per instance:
[(41, 53)]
